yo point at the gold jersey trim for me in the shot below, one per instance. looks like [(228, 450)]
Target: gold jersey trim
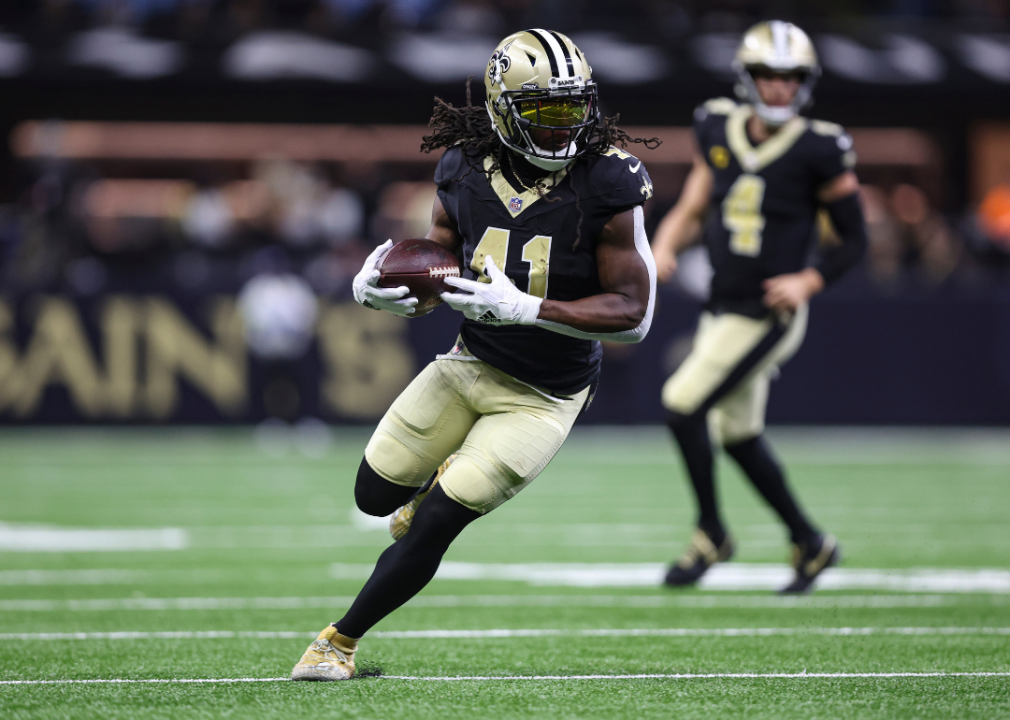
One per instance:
[(752, 159), (506, 193), (719, 106)]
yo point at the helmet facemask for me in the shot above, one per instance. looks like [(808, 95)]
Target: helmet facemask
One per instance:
[(776, 115), (562, 117)]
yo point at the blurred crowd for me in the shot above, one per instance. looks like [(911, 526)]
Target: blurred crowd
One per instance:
[(910, 237), (70, 229), (221, 21)]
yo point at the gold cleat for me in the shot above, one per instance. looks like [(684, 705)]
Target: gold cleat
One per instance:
[(399, 521), (810, 559), (700, 555), (329, 657)]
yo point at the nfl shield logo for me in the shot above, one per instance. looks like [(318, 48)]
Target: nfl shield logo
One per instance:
[(515, 204)]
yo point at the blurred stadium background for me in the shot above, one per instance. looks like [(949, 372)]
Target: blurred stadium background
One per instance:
[(173, 171), (187, 188)]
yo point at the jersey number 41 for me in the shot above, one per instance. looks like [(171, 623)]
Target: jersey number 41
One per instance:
[(537, 252)]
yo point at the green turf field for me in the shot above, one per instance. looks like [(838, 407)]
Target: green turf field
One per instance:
[(196, 566)]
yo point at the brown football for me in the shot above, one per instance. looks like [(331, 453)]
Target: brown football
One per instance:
[(421, 265)]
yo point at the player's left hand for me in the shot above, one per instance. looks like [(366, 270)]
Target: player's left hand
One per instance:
[(498, 301), (785, 293)]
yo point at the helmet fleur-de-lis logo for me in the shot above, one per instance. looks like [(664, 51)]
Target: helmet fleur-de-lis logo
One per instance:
[(500, 63)]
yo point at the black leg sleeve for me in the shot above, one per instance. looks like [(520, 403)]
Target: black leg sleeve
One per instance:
[(756, 459), (375, 495), (691, 433), (409, 564)]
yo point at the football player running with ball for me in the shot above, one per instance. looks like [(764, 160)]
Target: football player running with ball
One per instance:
[(546, 213), (760, 177)]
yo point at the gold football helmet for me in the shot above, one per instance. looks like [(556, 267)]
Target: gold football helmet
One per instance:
[(541, 97), (778, 47)]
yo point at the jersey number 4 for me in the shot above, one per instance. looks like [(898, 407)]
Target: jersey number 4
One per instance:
[(537, 252), (741, 214)]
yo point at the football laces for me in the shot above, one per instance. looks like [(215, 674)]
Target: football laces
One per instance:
[(443, 272)]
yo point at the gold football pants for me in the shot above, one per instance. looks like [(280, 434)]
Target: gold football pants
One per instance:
[(729, 370), (505, 431)]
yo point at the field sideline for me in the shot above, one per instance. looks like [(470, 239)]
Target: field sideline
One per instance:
[(180, 574)]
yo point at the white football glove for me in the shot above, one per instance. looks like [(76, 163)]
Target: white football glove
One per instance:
[(368, 293), (499, 301)]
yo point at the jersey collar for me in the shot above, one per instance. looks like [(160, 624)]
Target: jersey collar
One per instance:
[(514, 201), (752, 159)]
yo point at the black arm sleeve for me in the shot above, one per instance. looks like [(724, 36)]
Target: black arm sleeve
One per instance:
[(847, 217)]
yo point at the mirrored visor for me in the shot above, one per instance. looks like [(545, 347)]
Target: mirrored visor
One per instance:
[(555, 112)]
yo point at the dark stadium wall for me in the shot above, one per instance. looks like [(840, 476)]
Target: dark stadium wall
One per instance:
[(127, 359)]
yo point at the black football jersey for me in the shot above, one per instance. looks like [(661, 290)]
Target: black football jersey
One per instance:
[(546, 246), (762, 218)]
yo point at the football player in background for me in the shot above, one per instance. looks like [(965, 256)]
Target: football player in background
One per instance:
[(547, 215), (761, 174)]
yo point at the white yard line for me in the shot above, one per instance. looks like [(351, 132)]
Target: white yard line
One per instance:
[(52, 538), (165, 635), (701, 676), (513, 633), (690, 632), (121, 681), (694, 601), (493, 678), (725, 576), (73, 577)]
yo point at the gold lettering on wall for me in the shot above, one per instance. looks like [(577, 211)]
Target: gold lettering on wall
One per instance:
[(175, 348), (57, 353), (145, 347), (8, 357), (367, 360), (121, 322)]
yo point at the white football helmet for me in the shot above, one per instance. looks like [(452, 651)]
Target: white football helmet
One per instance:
[(778, 47), (538, 80)]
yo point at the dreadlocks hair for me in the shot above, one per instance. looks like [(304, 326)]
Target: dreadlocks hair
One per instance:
[(470, 128)]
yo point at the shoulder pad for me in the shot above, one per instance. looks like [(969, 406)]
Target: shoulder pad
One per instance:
[(835, 142), (715, 106), (622, 178), (622, 164), (623, 154), (836, 133), (822, 127), (450, 166)]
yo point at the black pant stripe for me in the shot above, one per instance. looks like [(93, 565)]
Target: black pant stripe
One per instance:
[(743, 368)]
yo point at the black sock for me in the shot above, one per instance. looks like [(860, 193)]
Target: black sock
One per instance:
[(408, 564), (756, 459), (691, 434), (375, 495)]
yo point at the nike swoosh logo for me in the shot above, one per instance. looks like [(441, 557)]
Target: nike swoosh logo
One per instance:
[(635, 169)]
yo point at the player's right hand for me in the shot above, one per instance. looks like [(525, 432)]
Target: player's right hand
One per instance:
[(496, 302), (368, 293)]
